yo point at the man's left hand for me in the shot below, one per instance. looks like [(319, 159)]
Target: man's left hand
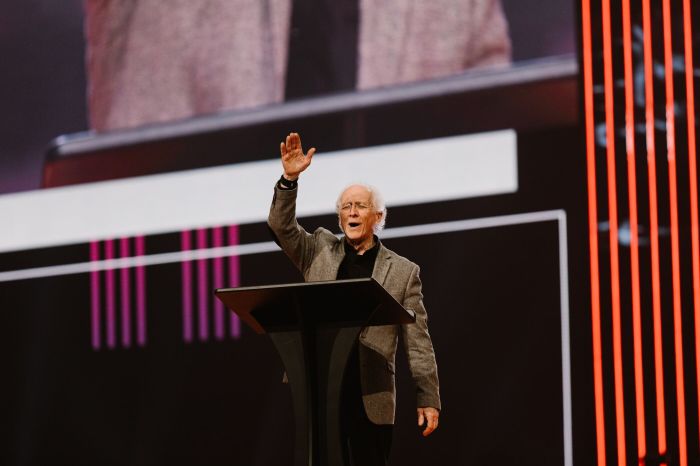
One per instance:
[(429, 415)]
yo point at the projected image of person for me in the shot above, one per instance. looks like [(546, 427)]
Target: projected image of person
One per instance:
[(151, 62), (369, 394)]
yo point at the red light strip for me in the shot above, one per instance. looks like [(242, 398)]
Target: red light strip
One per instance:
[(593, 230), (234, 279), (95, 298), (125, 282), (109, 294), (140, 291), (612, 218), (654, 228), (186, 245), (634, 230), (675, 254), (693, 173)]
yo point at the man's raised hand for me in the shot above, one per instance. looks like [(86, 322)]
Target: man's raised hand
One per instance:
[(293, 159)]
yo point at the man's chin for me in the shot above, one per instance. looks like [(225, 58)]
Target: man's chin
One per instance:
[(353, 238)]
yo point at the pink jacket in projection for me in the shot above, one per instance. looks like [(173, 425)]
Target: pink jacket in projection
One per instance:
[(157, 61)]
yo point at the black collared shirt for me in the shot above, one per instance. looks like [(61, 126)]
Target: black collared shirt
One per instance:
[(356, 265)]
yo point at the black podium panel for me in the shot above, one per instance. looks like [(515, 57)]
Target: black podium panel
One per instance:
[(314, 327)]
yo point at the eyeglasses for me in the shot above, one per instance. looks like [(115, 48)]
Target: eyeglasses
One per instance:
[(361, 206)]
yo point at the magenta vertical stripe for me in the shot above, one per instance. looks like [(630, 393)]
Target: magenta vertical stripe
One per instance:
[(218, 241), (109, 285), (126, 294), (234, 277), (141, 293), (186, 245), (95, 296), (203, 287)]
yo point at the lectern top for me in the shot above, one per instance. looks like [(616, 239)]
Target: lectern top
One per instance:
[(334, 303)]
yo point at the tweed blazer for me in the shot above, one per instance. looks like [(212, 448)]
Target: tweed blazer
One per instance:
[(318, 256)]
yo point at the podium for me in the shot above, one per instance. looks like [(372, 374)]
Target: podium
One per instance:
[(314, 327)]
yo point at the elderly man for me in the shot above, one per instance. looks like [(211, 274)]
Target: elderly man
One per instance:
[(369, 395)]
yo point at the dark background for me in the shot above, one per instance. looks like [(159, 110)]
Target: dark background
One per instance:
[(493, 302), (492, 297)]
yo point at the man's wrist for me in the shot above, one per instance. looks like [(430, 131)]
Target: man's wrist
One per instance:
[(287, 184), (290, 177)]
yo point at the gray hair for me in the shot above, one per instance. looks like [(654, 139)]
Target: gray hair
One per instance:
[(375, 198)]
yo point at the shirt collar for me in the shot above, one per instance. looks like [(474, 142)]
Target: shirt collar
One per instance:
[(371, 251)]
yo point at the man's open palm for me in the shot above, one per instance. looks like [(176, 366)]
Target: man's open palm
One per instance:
[(293, 159)]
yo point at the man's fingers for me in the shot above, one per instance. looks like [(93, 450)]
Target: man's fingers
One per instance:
[(432, 421), (291, 150), (430, 417), (291, 141), (432, 425)]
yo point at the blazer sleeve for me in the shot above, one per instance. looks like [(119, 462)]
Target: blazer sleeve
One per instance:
[(419, 346), (296, 242)]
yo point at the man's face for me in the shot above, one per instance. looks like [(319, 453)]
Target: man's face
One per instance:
[(357, 214)]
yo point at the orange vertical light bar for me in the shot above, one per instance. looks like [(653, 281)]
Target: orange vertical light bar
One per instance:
[(634, 230), (693, 174), (593, 229), (612, 217), (654, 227), (675, 254)]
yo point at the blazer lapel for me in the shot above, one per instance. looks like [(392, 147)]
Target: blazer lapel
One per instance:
[(329, 268), (382, 265), (330, 271)]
